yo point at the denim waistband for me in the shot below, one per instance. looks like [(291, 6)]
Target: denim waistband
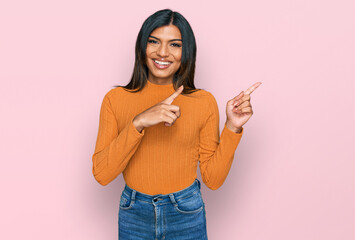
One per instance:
[(163, 198)]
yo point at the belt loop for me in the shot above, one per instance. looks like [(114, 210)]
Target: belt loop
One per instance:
[(199, 184), (133, 196), (172, 198)]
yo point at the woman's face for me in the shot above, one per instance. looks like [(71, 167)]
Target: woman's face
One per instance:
[(165, 46)]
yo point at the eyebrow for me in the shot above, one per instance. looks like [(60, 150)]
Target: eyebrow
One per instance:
[(169, 40)]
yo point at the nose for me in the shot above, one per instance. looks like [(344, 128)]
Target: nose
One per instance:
[(163, 51)]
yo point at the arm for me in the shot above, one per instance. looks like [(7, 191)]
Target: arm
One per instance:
[(216, 152), (113, 149)]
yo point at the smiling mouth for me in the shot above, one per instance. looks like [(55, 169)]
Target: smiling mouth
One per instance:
[(161, 65)]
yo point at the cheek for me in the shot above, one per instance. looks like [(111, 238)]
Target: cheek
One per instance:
[(178, 57), (147, 62), (178, 62), (148, 51)]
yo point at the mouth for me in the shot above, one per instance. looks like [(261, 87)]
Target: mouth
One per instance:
[(161, 65)]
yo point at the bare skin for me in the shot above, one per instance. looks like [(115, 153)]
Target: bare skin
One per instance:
[(160, 112), (164, 44), (239, 109)]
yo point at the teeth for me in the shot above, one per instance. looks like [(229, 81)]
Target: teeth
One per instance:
[(162, 63)]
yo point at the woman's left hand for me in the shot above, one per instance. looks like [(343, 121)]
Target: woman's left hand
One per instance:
[(239, 109)]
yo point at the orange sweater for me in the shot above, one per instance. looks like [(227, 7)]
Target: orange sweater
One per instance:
[(162, 159)]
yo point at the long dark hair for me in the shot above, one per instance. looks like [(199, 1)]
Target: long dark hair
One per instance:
[(186, 73)]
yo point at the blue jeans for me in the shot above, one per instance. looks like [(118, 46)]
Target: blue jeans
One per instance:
[(178, 215)]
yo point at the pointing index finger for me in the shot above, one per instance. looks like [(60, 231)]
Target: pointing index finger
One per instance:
[(252, 88), (171, 98)]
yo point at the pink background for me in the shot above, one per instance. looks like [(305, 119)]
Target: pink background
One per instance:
[(293, 174)]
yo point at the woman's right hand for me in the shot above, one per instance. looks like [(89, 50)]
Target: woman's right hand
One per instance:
[(163, 111)]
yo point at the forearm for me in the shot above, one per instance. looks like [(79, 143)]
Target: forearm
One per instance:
[(110, 160), (215, 168)]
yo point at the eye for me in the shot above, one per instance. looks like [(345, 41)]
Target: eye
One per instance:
[(176, 45), (152, 41)]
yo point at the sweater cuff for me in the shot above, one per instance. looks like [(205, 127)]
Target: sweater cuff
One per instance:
[(134, 130), (232, 134), (230, 138)]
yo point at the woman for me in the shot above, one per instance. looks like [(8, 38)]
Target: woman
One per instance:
[(161, 198)]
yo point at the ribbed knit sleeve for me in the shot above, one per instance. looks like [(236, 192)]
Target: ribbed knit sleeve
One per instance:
[(216, 153), (113, 149)]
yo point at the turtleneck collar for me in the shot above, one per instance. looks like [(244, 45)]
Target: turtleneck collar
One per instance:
[(158, 87)]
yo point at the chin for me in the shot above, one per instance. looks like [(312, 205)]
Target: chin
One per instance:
[(162, 75)]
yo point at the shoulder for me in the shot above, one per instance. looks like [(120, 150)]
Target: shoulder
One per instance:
[(112, 97), (203, 94), (115, 94), (208, 103), (207, 97)]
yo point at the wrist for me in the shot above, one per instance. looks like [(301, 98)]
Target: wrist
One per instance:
[(137, 124), (233, 128)]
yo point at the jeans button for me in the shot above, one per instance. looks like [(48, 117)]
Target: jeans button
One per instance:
[(155, 200)]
